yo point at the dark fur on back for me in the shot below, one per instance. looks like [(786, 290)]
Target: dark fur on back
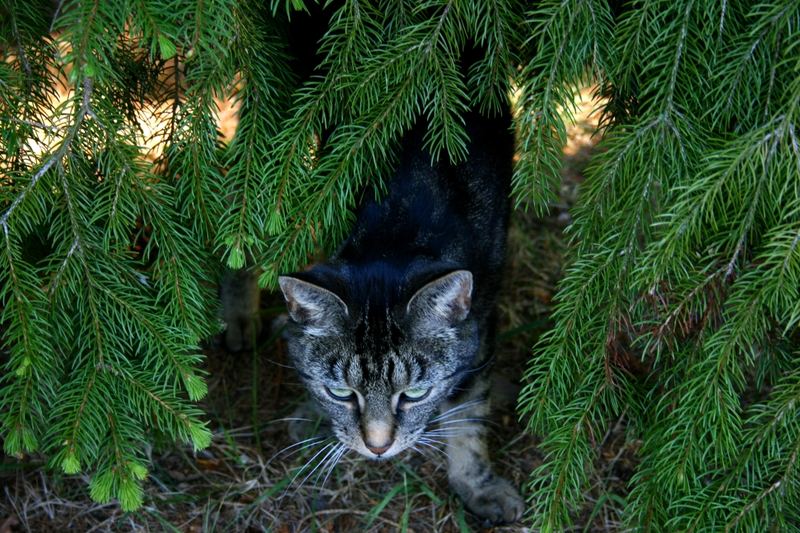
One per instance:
[(439, 218)]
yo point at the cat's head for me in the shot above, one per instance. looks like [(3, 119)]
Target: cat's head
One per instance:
[(381, 364)]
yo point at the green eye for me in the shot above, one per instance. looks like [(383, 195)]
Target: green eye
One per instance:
[(340, 393), (416, 394)]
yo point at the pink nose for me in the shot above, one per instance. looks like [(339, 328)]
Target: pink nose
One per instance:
[(378, 450)]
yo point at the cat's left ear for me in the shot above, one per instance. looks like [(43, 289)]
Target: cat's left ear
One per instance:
[(313, 307), (444, 301)]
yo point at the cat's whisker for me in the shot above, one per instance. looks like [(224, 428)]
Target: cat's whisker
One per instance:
[(422, 452), (450, 428), (431, 446), (454, 436), (306, 443), (321, 462), (430, 439), (334, 462), (302, 468), (425, 442), (458, 408), (467, 425), (450, 412), (468, 403), (290, 419), (327, 462), (454, 429), (477, 421)]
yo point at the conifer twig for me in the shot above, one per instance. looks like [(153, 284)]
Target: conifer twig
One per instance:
[(53, 158)]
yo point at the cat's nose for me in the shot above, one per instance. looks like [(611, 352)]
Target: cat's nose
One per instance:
[(378, 437)]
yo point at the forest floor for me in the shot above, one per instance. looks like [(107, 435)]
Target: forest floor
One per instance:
[(251, 479)]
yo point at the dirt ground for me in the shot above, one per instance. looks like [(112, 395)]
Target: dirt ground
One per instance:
[(252, 478)]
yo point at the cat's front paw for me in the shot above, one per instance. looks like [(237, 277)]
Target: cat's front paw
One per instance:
[(495, 500)]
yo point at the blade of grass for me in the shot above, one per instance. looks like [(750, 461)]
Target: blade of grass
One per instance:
[(461, 519), (166, 525), (375, 511), (406, 515), (269, 493), (420, 483)]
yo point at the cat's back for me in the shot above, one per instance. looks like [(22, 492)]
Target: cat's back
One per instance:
[(438, 211)]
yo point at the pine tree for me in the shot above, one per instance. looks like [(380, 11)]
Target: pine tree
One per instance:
[(684, 256)]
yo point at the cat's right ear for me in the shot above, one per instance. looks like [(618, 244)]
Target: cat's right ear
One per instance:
[(318, 310), (443, 302)]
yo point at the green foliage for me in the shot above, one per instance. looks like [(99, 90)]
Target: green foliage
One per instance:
[(102, 340), (684, 251), (685, 256)]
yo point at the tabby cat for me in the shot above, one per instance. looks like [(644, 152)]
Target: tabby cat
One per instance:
[(395, 332)]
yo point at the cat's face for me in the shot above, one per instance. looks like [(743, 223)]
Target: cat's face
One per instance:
[(381, 374)]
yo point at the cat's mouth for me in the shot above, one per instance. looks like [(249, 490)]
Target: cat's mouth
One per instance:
[(388, 454), (379, 453)]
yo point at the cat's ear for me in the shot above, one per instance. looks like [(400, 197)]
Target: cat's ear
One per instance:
[(318, 310), (444, 301)]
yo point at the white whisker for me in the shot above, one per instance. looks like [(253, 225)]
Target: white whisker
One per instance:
[(290, 419), (307, 444), (457, 420), (451, 428), (453, 410), (447, 432), (423, 452), (426, 442), (302, 468), (343, 451), (310, 461), (321, 462), (429, 439)]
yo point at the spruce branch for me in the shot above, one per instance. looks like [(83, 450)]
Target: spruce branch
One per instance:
[(30, 353), (393, 98), (495, 23), (263, 99), (55, 158), (547, 88), (31, 185), (166, 410), (33, 123), (682, 231), (730, 497), (681, 42), (179, 366), (75, 437)]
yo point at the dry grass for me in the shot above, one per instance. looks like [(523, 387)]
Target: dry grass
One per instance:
[(248, 480)]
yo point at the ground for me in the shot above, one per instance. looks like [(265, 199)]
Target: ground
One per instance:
[(252, 479)]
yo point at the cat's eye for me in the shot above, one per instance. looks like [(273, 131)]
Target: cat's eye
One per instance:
[(416, 394), (341, 394)]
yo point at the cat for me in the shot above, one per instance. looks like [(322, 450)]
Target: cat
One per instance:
[(397, 328)]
